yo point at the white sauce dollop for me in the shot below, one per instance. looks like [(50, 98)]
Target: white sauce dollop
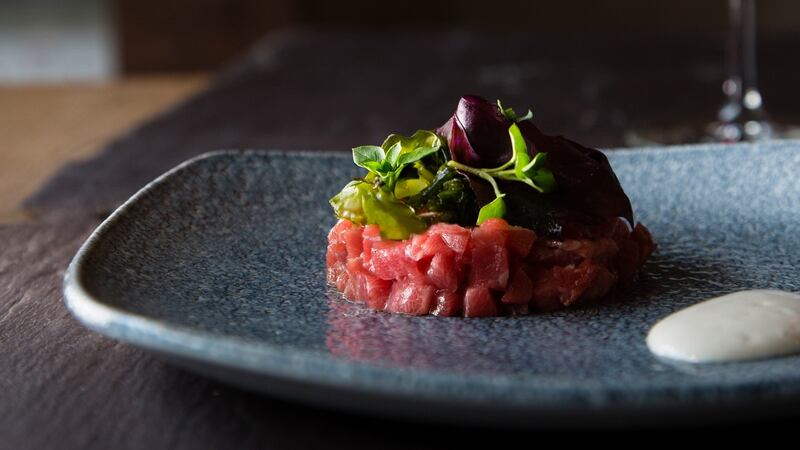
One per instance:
[(743, 325)]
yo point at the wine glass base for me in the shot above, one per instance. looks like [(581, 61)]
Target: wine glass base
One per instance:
[(692, 133)]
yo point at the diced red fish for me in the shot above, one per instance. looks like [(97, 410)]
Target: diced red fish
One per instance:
[(478, 302), (487, 270), (489, 265), (410, 297), (447, 304), (520, 240), (520, 289), (454, 236), (389, 261), (425, 245), (443, 271)]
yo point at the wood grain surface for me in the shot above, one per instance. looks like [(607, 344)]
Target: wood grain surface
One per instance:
[(62, 386), (43, 127)]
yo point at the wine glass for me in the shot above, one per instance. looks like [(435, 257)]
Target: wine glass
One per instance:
[(742, 116)]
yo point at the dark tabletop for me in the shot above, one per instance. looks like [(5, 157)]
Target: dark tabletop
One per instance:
[(62, 386)]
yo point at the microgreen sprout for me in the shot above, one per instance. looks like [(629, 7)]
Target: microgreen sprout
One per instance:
[(521, 167), (397, 152), (511, 115)]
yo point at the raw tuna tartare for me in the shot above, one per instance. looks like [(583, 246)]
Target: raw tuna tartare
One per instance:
[(483, 216)]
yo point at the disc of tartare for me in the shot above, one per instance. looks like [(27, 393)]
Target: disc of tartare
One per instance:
[(483, 216)]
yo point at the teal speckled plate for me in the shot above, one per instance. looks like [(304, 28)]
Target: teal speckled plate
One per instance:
[(219, 266)]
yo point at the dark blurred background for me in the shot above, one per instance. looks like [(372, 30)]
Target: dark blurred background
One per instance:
[(202, 34), (190, 35)]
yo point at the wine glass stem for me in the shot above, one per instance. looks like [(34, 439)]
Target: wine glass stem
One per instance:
[(743, 98)]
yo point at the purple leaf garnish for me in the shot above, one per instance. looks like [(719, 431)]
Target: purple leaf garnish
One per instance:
[(587, 188), (477, 134), (584, 176)]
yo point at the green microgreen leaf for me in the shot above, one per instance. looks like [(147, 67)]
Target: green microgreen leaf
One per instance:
[(494, 209), (423, 172), (387, 162), (528, 116), (392, 154), (368, 153), (395, 219), (421, 138), (415, 155), (409, 186), (536, 163), (521, 157), (545, 180), (386, 168), (509, 113), (365, 203), (347, 203), (373, 166)]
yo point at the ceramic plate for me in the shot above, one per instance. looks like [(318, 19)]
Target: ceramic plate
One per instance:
[(218, 265)]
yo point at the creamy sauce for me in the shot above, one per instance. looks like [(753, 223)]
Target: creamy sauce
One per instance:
[(743, 325)]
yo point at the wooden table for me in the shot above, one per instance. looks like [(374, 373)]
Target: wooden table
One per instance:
[(64, 387), (45, 126)]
